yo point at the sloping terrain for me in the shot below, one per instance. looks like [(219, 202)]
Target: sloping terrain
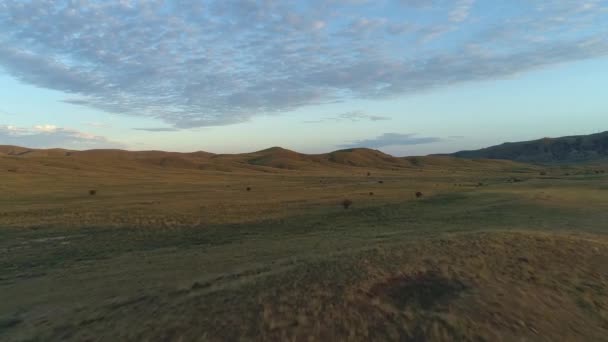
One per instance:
[(582, 148), (257, 246), (269, 160)]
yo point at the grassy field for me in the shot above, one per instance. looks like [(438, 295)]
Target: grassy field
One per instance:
[(492, 251)]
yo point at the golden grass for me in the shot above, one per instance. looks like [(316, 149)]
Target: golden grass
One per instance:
[(173, 247), (142, 189)]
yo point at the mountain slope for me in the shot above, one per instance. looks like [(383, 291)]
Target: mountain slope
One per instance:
[(581, 148)]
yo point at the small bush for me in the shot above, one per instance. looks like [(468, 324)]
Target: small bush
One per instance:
[(371, 194), (380, 182), (369, 174), (92, 192), (419, 194), (12, 170), (248, 188), (543, 173), (347, 203), (480, 184)]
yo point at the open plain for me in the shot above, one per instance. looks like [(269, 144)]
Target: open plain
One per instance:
[(115, 245)]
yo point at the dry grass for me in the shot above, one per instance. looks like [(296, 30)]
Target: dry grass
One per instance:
[(144, 190), (175, 252)]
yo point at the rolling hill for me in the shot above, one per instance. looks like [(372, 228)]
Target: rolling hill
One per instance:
[(275, 159), (571, 149)]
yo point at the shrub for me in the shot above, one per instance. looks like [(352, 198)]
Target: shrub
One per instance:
[(92, 192), (419, 194), (380, 182), (543, 173), (248, 188), (369, 174), (347, 203), (371, 194), (480, 184)]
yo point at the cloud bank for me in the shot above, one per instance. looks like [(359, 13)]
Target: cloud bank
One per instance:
[(194, 63), (50, 136)]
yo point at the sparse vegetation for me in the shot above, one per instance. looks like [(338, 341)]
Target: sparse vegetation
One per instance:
[(346, 203), (288, 263), (92, 192), (419, 194)]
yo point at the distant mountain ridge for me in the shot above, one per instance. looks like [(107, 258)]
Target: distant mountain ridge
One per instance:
[(569, 149)]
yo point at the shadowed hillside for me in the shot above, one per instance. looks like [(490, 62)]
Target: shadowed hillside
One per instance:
[(582, 148)]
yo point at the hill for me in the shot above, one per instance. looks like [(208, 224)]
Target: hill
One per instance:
[(581, 148), (275, 159)]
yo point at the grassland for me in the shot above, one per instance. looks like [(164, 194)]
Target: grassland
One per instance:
[(492, 251)]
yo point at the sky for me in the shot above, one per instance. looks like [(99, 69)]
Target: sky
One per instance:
[(407, 77)]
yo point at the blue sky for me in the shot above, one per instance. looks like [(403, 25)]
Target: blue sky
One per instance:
[(408, 77)]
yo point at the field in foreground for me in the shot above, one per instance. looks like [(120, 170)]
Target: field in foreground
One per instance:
[(491, 251)]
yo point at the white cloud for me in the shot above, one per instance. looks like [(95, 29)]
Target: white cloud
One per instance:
[(195, 63), (461, 11), (45, 128), (49, 136)]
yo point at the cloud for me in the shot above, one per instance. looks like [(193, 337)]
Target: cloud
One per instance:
[(353, 116), (50, 136), (461, 11), (392, 139), (195, 63), (157, 129)]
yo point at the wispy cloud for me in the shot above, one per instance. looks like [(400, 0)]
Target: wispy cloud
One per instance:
[(48, 136), (194, 63), (461, 11), (354, 116), (157, 129), (97, 124), (392, 139)]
